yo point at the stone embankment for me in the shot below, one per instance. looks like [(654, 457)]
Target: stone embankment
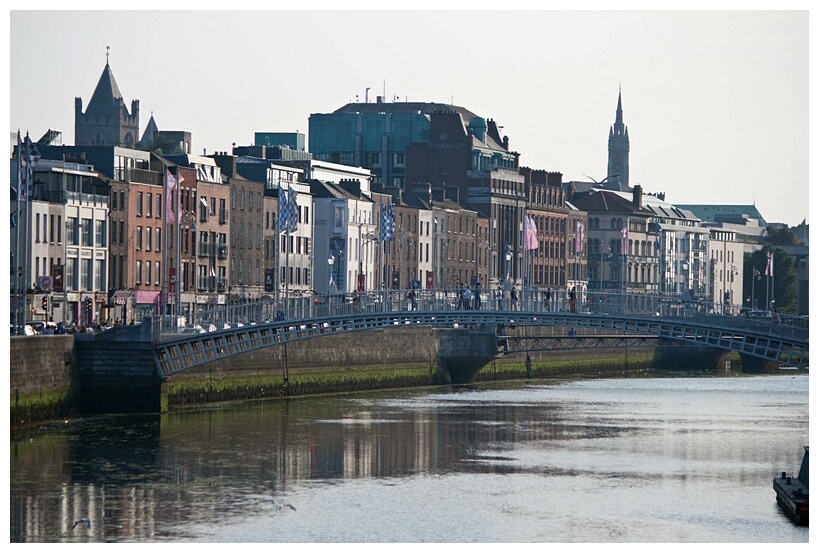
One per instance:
[(46, 381)]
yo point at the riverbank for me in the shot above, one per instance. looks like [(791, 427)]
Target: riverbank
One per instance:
[(45, 382), (196, 390)]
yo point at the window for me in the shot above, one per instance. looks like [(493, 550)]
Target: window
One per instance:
[(122, 232), (139, 204), (148, 273), (99, 233), (139, 238), (122, 201), (242, 200), (87, 238), (36, 227), (71, 274), (232, 198), (148, 241), (114, 199), (149, 205), (87, 274), (158, 277), (99, 274), (158, 239)]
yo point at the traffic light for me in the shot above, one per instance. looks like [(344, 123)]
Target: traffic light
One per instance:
[(45, 303), (88, 303)]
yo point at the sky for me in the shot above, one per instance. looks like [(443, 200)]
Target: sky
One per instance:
[(716, 102)]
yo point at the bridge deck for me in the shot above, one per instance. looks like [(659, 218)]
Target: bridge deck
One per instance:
[(300, 319)]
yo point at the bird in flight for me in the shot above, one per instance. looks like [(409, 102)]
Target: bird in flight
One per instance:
[(85, 521), (278, 506)]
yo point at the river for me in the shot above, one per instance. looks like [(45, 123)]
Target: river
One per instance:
[(661, 459)]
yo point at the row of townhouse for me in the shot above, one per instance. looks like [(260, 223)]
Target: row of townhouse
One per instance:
[(195, 232)]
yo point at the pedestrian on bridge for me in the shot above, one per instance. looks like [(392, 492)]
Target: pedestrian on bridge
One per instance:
[(467, 298), (548, 302), (499, 298), (476, 297), (513, 295)]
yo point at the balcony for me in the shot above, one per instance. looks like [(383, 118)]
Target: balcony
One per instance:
[(143, 176), (221, 251), (211, 284)]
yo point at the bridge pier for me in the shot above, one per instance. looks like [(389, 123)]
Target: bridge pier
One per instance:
[(118, 372), (670, 355), (753, 364), (462, 353)]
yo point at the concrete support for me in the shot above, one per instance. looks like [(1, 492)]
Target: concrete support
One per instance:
[(670, 355), (463, 353)]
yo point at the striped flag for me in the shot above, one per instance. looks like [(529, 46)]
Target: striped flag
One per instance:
[(769, 265)]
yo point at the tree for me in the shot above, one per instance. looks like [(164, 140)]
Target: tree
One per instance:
[(781, 237), (784, 291), (162, 144)]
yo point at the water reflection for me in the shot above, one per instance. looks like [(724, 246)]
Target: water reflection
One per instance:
[(201, 474)]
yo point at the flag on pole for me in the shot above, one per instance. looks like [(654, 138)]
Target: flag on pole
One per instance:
[(282, 210), (387, 231), (579, 228), (292, 212), (769, 267), (535, 241), (29, 155), (530, 241), (170, 184)]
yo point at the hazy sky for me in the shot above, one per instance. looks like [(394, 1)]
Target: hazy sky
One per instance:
[(716, 102)]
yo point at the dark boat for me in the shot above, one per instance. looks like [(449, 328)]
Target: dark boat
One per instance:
[(792, 493)]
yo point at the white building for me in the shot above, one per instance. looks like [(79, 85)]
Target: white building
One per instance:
[(63, 237)]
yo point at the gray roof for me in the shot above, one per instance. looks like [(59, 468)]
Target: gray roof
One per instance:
[(106, 96)]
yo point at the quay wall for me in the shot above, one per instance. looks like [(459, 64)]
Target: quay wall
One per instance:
[(46, 380)]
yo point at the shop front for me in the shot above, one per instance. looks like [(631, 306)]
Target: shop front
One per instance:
[(146, 304)]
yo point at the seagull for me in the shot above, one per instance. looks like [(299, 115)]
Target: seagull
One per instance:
[(85, 521), (278, 506)]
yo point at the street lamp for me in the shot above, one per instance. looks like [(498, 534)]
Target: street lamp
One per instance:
[(330, 261), (508, 260), (366, 239), (754, 277)]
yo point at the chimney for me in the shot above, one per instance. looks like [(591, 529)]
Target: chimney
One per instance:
[(637, 197)]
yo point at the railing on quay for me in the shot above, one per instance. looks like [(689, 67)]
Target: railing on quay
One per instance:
[(592, 304)]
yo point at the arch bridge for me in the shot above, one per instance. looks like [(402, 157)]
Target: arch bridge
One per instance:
[(223, 331)]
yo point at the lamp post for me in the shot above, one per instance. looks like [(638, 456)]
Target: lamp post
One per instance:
[(754, 277), (508, 255), (366, 239), (330, 261)]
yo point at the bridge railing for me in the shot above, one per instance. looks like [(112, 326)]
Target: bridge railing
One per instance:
[(610, 304)]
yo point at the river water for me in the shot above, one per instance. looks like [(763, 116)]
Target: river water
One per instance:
[(588, 460)]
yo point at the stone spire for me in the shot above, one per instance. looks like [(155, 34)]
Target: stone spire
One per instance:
[(618, 149)]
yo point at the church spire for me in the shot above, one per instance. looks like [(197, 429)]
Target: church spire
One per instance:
[(619, 148)]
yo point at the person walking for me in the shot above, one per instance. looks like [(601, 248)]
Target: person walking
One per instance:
[(476, 297), (573, 300), (499, 298), (548, 299), (513, 295)]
